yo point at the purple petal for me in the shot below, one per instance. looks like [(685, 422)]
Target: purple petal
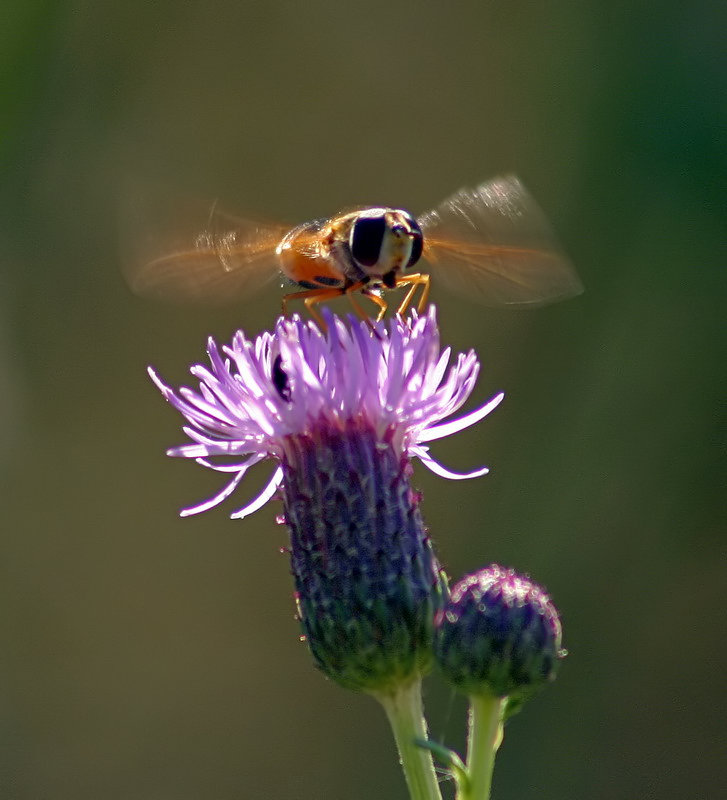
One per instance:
[(447, 428), (262, 498), (244, 467), (216, 500), (443, 472)]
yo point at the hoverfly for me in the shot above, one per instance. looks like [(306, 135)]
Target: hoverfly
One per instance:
[(491, 244)]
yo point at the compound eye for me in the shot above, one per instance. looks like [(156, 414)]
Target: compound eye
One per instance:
[(367, 236), (417, 243)]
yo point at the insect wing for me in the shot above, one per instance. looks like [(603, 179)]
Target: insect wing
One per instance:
[(494, 245), (225, 260)]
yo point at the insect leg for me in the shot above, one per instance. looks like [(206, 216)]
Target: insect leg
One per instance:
[(413, 281), (369, 295), (310, 298), (380, 302), (424, 298)]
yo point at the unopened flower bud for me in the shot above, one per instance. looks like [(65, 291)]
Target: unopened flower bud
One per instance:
[(499, 634)]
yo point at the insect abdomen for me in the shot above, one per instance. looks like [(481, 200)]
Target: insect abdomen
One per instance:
[(305, 258)]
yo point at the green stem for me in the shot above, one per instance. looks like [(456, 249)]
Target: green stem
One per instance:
[(406, 716), (485, 735)]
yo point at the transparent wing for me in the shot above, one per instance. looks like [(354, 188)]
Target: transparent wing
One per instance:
[(493, 244), (217, 259)]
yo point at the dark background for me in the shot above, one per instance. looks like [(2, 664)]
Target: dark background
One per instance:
[(153, 658)]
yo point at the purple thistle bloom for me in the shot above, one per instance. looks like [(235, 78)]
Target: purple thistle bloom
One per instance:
[(296, 380), (342, 413)]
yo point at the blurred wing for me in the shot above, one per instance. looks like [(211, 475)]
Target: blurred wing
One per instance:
[(494, 245), (225, 260)]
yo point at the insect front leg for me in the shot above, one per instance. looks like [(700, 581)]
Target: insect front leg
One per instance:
[(413, 281)]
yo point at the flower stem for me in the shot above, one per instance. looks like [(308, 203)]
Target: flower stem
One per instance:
[(485, 736), (406, 716)]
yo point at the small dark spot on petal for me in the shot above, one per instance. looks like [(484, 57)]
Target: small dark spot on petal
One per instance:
[(280, 379)]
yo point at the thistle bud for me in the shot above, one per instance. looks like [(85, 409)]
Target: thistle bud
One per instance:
[(499, 634)]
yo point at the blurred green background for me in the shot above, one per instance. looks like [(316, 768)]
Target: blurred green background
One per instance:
[(155, 658)]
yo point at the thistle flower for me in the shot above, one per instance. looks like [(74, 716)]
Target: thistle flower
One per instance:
[(341, 413), (295, 381), (498, 635)]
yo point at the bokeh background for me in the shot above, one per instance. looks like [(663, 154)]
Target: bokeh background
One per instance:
[(153, 658)]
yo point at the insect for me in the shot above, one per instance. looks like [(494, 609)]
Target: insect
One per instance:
[(491, 244)]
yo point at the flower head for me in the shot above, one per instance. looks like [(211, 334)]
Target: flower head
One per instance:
[(292, 382), (499, 634), (342, 413)]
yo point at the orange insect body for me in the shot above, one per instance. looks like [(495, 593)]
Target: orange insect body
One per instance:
[(491, 244), (305, 256)]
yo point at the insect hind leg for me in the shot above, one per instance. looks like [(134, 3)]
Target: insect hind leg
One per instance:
[(311, 298)]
